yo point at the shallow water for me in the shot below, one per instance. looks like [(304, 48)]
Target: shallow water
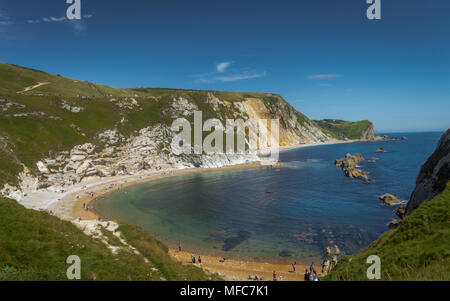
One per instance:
[(313, 205)]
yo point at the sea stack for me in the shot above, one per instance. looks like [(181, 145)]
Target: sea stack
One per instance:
[(348, 165)]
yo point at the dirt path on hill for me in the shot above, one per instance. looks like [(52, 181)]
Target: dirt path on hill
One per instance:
[(32, 87)]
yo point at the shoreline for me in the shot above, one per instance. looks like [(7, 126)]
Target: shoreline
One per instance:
[(68, 205)]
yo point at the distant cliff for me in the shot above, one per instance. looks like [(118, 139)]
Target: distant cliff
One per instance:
[(433, 176), (341, 129)]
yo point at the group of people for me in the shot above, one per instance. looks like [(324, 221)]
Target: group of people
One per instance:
[(193, 259), (275, 277), (311, 275), (255, 277)]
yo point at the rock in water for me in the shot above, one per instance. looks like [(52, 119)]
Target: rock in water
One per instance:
[(348, 165), (400, 211), (380, 150), (336, 250), (389, 199), (394, 223)]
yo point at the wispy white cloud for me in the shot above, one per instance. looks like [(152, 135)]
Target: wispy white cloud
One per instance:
[(221, 67), (222, 74), (54, 19), (57, 19), (5, 19), (323, 76), (241, 76)]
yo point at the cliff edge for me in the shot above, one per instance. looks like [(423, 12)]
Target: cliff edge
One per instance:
[(433, 176)]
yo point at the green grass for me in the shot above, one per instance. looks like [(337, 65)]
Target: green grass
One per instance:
[(35, 246), (344, 129), (417, 250)]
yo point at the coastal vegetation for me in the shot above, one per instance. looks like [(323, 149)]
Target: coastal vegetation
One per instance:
[(416, 250), (342, 129), (35, 245)]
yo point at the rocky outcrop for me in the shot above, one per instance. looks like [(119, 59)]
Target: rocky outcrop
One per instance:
[(380, 150), (400, 211), (433, 175), (369, 134), (389, 199), (349, 166), (394, 223)]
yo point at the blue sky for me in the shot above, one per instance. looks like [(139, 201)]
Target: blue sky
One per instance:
[(323, 56)]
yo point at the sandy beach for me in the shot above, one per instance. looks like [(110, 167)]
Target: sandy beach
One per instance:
[(240, 270), (70, 203)]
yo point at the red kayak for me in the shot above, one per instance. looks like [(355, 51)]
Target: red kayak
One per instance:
[(268, 191)]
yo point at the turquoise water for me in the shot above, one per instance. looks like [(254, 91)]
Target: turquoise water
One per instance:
[(313, 205)]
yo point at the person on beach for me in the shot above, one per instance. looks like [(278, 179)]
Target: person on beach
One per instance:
[(293, 265), (193, 258), (274, 276), (84, 205), (199, 260), (179, 247), (306, 275), (311, 268), (315, 277)]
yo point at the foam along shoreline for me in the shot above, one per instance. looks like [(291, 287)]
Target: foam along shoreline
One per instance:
[(67, 204)]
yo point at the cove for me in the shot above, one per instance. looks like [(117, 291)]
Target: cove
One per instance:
[(313, 205)]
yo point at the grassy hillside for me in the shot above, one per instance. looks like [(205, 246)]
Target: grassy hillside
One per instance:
[(34, 124), (14, 79), (35, 246), (417, 250), (341, 129)]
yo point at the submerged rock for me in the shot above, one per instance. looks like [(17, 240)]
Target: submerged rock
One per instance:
[(231, 242), (285, 253), (389, 199), (380, 150)]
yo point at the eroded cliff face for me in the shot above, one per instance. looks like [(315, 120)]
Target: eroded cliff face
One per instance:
[(111, 152), (295, 128), (369, 134), (433, 176)]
